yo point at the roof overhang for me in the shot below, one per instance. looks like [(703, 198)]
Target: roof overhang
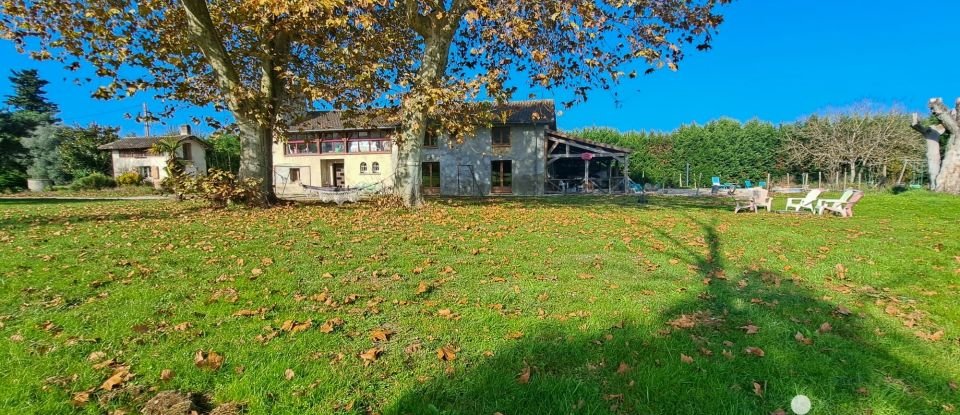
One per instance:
[(600, 149)]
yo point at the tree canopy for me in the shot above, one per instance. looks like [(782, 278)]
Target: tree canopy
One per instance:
[(267, 60), (264, 61)]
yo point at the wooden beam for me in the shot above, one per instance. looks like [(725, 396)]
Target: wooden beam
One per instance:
[(617, 157), (553, 147), (588, 147), (558, 135), (626, 174)]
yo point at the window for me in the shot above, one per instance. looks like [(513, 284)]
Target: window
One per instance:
[(501, 136), (376, 168), (139, 153), (187, 149), (294, 175), (363, 168), (430, 178), (144, 171), (501, 177), (369, 146), (333, 147), (430, 138), (299, 148)]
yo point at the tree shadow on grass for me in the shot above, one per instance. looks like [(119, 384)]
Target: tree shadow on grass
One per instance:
[(638, 365)]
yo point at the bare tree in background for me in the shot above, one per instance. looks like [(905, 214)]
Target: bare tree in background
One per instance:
[(944, 165), (851, 140)]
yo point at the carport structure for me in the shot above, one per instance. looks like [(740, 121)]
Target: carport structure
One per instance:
[(578, 165)]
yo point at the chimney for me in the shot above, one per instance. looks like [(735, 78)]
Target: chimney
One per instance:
[(185, 130)]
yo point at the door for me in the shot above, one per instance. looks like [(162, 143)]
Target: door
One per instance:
[(338, 175), (294, 175)]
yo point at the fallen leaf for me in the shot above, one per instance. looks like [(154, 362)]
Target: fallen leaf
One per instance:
[(166, 374), (330, 325), (751, 329), (447, 353), (843, 310), (96, 356), (825, 328), (756, 351), (422, 288), (682, 322), (289, 374), (207, 360), (952, 385), (779, 411), (757, 389), (524, 377), (296, 327), (933, 337), (370, 356), (515, 335), (381, 334), (413, 347), (686, 359), (119, 376), (623, 368), (248, 313), (80, 398), (103, 364), (803, 339)]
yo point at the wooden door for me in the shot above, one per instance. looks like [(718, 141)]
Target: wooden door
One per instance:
[(338, 180)]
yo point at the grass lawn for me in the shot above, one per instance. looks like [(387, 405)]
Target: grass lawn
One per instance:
[(121, 191), (552, 306)]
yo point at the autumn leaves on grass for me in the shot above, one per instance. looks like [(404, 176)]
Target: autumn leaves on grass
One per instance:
[(689, 321)]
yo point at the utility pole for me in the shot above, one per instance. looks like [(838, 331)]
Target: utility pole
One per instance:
[(146, 121)]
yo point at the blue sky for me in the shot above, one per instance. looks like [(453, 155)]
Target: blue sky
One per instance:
[(776, 60)]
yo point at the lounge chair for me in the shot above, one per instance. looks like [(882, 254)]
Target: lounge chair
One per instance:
[(715, 184), (845, 209), (823, 203), (747, 184), (806, 202), (757, 198), (763, 199)]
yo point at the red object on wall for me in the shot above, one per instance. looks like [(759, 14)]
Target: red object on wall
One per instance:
[(586, 156)]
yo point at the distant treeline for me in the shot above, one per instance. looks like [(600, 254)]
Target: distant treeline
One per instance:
[(737, 151)]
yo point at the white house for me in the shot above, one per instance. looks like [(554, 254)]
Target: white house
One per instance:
[(133, 154)]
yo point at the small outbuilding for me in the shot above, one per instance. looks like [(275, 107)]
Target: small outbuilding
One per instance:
[(134, 154)]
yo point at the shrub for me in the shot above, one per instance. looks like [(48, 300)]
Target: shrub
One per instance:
[(221, 188), (94, 181), (130, 178), (12, 181)]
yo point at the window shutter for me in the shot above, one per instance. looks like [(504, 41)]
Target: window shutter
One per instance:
[(156, 172)]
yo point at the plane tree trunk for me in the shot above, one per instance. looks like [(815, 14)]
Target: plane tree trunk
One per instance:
[(944, 170), (254, 110), (437, 31)]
